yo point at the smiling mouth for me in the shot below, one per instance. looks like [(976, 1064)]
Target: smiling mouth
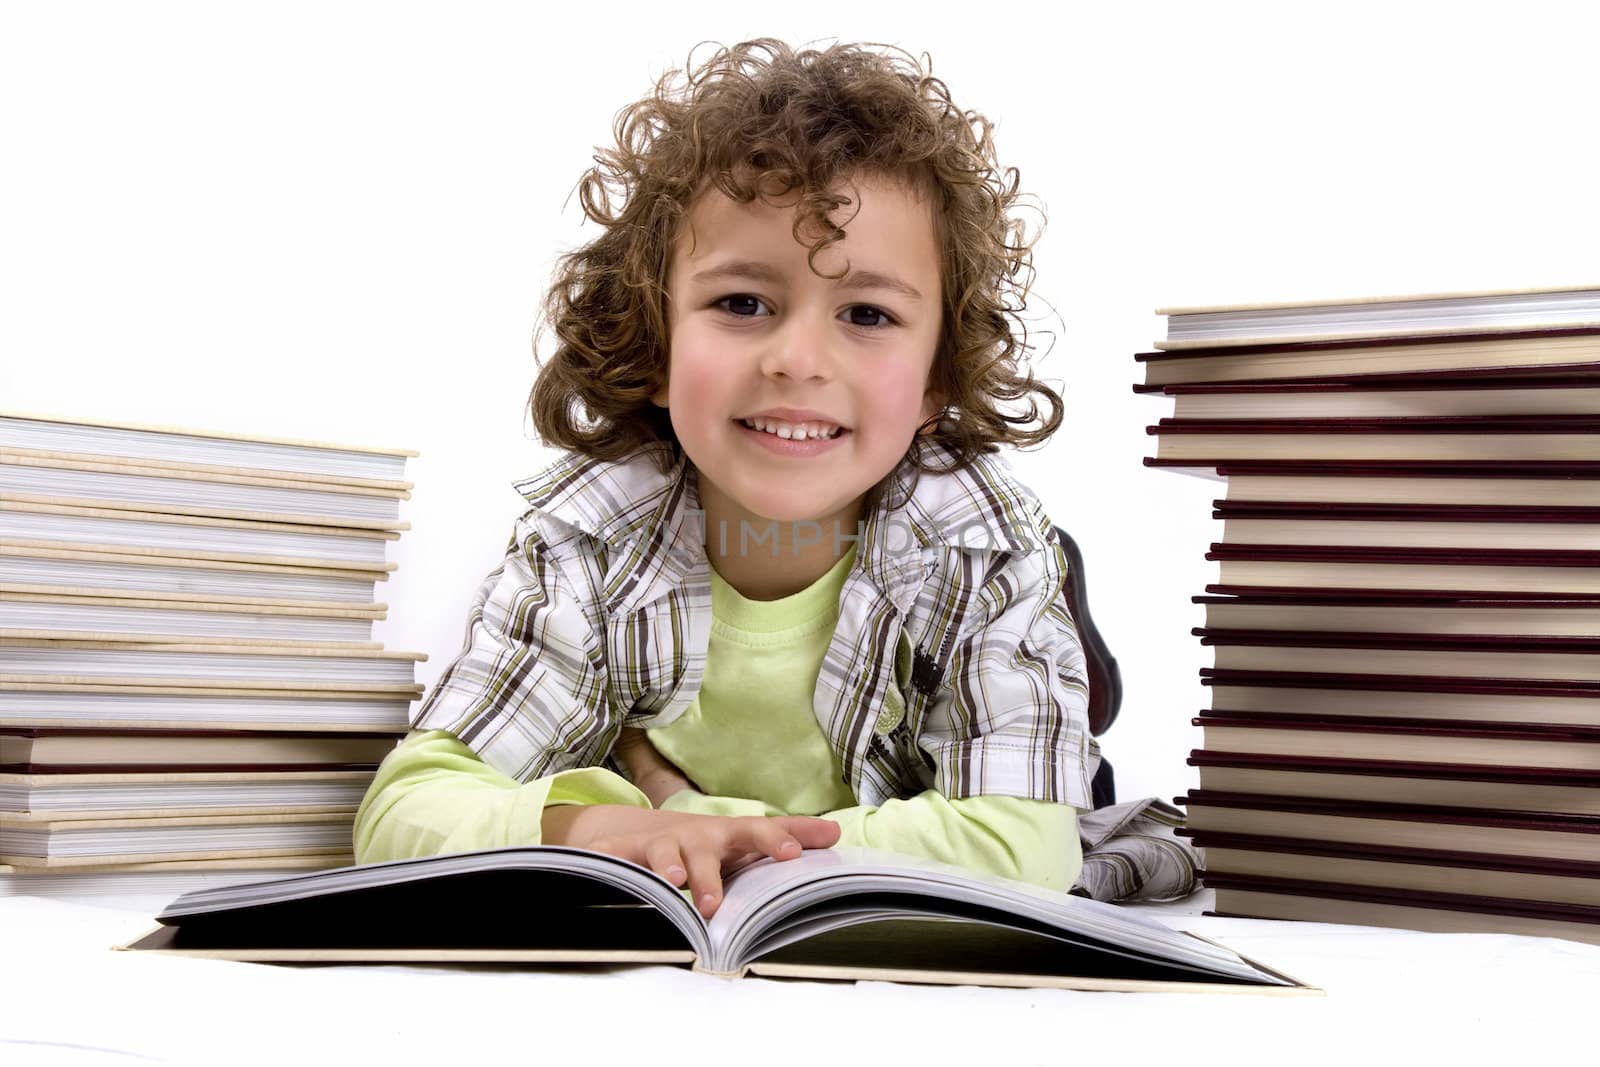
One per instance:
[(786, 434)]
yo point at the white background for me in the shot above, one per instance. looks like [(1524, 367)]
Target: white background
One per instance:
[(336, 221)]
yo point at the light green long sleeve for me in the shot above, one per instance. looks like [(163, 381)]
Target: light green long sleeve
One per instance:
[(1029, 840), (433, 795)]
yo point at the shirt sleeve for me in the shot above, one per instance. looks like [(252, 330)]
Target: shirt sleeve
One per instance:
[(1012, 715), (527, 692), (433, 795), (1028, 840)]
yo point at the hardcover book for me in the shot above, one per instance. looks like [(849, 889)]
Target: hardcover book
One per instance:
[(104, 481), (1552, 439), (1443, 912), (1426, 869), (1571, 659), (132, 443), (1441, 740), (96, 527), (1398, 781), (64, 569), (1485, 572), (107, 615), (35, 702), (58, 796), (1386, 398), (158, 879), (1295, 612), (1401, 696), (1529, 485), (1383, 316), (297, 666), (88, 842), (1484, 832), (1419, 526), (32, 750), (1566, 352)]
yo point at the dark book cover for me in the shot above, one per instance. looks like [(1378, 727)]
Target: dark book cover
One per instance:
[(1404, 468), (1476, 861), (1400, 642), (1370, 768), (1412, 597), (1407, 898), (1482, 557), (1399, 683), (1561, 733), (1494, 379), (1430, 813), (1329, 511), (163, 732), (1347, 343), (177, 768), (1517, 425), (1391, 468), (1397, 598)]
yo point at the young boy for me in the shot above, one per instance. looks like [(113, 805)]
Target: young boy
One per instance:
[(780, 579)]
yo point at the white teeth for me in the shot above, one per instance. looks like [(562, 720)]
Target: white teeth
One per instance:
[(793, 431)]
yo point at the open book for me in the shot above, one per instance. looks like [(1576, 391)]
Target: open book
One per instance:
[(846, 913)]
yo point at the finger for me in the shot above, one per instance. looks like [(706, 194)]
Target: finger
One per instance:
[(783, 837), (810, 832), (663, 856), (759, 833), (705, 877)]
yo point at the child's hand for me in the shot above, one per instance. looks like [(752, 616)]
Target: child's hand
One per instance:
[(654, 775), (699, 849)]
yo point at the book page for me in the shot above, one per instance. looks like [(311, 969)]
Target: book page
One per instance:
[(932, 949), (769, 895)]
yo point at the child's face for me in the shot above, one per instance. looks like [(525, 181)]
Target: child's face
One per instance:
[(753, 329)]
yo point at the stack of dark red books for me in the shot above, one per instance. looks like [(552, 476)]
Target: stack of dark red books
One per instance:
[(1404, 726)]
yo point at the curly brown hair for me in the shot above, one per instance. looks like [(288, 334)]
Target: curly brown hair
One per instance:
[(761, 119)]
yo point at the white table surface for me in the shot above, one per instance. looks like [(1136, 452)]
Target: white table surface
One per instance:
[(1392, 997)]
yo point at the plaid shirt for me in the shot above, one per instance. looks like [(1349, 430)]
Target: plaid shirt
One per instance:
[(954, 664)]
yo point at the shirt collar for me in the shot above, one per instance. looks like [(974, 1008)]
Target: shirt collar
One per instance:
[(979, 507)]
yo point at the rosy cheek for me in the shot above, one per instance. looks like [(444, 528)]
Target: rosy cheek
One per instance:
[(696, 362), (701, 382), (894, 393)]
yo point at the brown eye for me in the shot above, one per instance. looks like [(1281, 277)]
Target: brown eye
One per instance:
[(743, 305), (868, 316)]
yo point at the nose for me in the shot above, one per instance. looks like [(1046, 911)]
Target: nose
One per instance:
[(801, 348)]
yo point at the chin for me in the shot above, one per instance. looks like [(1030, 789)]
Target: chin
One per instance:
[(791, 510)]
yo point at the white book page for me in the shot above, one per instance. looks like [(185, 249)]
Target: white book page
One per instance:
[(761, 895)]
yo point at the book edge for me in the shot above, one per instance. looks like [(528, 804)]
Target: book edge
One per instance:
[(224, 435)]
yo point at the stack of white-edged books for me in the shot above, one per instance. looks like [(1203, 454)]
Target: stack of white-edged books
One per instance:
[(1405, 702), (189, 688)]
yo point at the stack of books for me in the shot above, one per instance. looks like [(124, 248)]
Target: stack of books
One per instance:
[(1404, 726), (189, 688)]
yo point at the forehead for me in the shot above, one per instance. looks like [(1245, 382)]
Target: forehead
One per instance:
[(887, 224)]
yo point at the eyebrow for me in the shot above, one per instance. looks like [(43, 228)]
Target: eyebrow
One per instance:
[(756, 270)]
